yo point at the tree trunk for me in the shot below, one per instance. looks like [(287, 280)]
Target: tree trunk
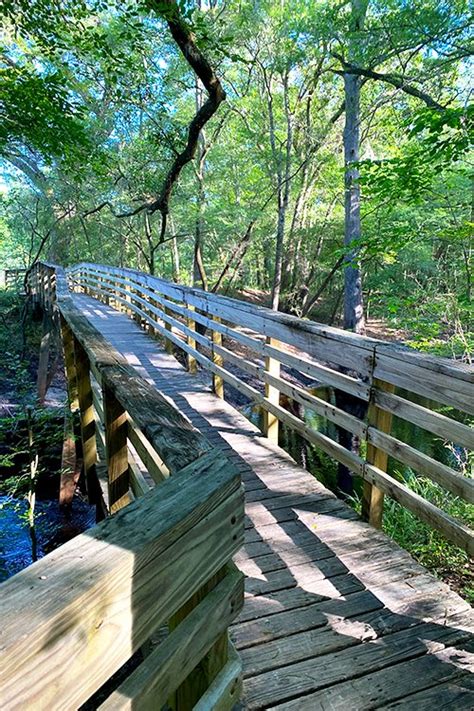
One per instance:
[(353, 304), (283, 194)]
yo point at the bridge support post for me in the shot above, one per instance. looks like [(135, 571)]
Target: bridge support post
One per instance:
[(88, 425), (116, 444), (168, 343), (69, 464), (372, 497), (192, 364), (272, 394), (191, 690), (217, 381)]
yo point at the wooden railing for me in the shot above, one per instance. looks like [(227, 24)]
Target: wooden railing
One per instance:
[(379, 379), (160, 564), (13, 278)]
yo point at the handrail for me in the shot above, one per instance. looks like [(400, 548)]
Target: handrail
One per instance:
[(358, 369), (73, 618)]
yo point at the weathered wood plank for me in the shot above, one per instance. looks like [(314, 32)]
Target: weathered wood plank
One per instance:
[(116, 445), (392, 684), (151, 684), (110, 605), (225, 691), (310, 675)]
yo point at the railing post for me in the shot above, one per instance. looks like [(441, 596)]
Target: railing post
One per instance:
[(190, 691), (372, 497), (270, 421), (191, 323), (88, 424), (217, 381), (116, 443), (168, 343), (45, 347), (115, 289), (69, 364)]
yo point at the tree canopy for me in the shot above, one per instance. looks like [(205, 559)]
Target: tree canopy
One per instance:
[(314, 155)]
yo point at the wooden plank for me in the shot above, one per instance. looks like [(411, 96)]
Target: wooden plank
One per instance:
[(87, 418), (372, 497), (45, 347), (208, 667), (439, 424), (116, 444), (138, 483), (153, 463), (192, 365), (70, 470), (272, 395), (151, 684), (304, 677), (455, 531), (339, 633), (445, 389), (311, 616), (448, 478), (110, 605), (225, 691), (391, 684), (456, 695), (217, 382), (69, 364)]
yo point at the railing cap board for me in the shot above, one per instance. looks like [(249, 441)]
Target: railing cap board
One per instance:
[(171, 434), (398, 352), (97, 594)]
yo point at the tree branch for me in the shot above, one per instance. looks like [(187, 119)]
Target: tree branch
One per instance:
[(393, 79), (186, 42)]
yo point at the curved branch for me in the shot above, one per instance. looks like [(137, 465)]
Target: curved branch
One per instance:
[(186, 42)]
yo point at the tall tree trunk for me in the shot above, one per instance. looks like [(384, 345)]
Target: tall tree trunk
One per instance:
[(199, 272), (353, 304), (283, 193), (174, 253)]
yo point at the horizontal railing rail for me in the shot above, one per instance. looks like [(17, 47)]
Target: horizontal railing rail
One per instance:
[(369, 382), (162, 563)]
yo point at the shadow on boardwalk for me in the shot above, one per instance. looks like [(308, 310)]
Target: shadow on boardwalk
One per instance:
[(336, 616)]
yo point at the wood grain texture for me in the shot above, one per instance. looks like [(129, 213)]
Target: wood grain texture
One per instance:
[(335, 615), (110, 604)]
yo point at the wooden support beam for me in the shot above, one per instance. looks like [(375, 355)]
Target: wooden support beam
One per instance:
[(70, 471), (69, 364), (45, 348), (116, 427), (372, 497), (204, 673), (192, 364), (272, 394), (151, 684), (88, 425), (217, 381), (168, 343)]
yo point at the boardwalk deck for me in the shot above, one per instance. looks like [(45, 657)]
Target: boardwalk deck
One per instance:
[(336, 616)]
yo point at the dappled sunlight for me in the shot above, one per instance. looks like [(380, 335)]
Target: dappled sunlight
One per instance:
[(319, 582), (361, 631)]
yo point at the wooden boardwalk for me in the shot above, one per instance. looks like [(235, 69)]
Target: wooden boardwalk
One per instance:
[(336, 615)]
